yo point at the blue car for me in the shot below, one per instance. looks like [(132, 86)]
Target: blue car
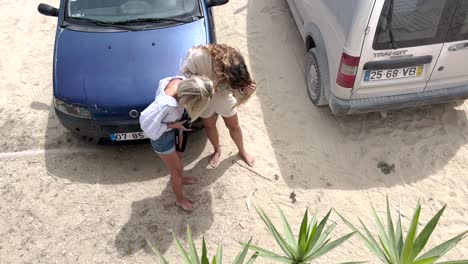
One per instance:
[(110, 55)]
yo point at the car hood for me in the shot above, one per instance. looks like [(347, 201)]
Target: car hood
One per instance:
[(115, 72)]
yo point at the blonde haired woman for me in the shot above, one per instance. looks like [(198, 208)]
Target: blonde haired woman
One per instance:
[(164, 115), (233, 87)]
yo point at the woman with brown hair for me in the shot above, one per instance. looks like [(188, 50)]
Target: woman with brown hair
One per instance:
[(233, 87)]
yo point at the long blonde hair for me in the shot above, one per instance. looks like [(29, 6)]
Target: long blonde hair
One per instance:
[(195, 94), (230, 69)]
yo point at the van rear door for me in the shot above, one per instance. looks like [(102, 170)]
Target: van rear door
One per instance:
[(403, 42), (452, 67)]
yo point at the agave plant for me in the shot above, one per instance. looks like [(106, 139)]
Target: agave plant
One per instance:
[(391, 247), (312, 241), (192, 256)]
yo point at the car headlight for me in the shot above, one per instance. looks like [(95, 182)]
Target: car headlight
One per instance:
[(72, 110)]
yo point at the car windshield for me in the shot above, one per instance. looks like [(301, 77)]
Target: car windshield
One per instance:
[(114, 11)]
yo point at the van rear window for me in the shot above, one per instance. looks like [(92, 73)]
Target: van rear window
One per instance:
[(410, 23), (459, 29)]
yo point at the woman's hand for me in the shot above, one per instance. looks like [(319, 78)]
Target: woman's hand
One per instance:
[(179, 125), (249, 89)]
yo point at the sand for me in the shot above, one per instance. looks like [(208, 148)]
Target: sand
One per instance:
[(65, 201)]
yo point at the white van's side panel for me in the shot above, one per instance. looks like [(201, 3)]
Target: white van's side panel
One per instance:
[(297, 16), (332, 26), (342, 25), (358, 27)]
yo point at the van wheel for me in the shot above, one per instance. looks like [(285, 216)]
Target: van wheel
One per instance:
[(314, 81)]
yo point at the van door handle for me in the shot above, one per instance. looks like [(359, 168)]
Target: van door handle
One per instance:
[(458, 47)]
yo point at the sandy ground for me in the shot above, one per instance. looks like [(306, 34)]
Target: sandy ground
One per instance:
[(64, 201)]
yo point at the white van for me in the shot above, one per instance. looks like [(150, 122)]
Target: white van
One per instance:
[(377, 55)]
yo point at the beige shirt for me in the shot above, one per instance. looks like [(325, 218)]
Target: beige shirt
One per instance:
[(198, 62)]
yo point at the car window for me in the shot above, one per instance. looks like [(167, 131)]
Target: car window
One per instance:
[(413, 23), (459, 29), (122, 10)]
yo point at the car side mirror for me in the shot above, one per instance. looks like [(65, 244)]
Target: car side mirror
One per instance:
[(211, 3), (48, 10)]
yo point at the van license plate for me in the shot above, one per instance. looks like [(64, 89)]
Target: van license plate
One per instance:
[(380, 75), (127, 136)]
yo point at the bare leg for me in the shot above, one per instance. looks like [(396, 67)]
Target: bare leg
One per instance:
[(213, 136), (190, 180), (232, 123), (175, 166)]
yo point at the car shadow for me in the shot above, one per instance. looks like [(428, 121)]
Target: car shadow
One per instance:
[(149, 219), (315, 149), (79, 161)]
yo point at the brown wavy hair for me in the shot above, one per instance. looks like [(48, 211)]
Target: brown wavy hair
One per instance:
[(230, 69)]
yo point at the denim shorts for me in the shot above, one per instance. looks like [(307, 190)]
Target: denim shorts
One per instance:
[(165, 144)]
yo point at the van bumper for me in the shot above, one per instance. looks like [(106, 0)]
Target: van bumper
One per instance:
[(393, 102)]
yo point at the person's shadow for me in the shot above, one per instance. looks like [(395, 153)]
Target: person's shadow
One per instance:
[(157, 218)]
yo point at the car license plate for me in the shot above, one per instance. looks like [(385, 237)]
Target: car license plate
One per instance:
[(127, 136), (380, 75)]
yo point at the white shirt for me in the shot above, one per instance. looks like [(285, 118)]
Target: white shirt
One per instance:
[(164, 110)]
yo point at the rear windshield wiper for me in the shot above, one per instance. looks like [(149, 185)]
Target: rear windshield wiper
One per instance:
[(153, 20), (389, 24), (103, 23)]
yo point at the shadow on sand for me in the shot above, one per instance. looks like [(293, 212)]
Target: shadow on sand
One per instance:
[(149, 221), (80, 162)]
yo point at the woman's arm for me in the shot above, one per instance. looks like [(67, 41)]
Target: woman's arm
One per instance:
[(249, 90), (179, 125), (151, 121), (243, 95)]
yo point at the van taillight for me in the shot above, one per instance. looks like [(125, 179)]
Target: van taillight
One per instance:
[(348, 70)]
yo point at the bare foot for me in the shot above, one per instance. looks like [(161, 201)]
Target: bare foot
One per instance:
[(190, 180), (185, 204), (249, 159), (215, 159)]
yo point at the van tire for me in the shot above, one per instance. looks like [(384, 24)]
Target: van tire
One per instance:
[(315, 87)]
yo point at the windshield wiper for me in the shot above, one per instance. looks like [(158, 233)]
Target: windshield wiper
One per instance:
[(103, 23), (153, 20), (389, 24)]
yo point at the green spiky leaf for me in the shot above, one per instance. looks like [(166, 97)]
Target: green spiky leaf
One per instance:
[(156, 251), (408, 246), (442, 249), (392, 248), (279, 239), (327, 247), (287, 229), (192, 249), (219, 255), (385, 241), (182, 251), (370, 242), (423, 237), (204, 256), (312, 241), (243, 254)]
